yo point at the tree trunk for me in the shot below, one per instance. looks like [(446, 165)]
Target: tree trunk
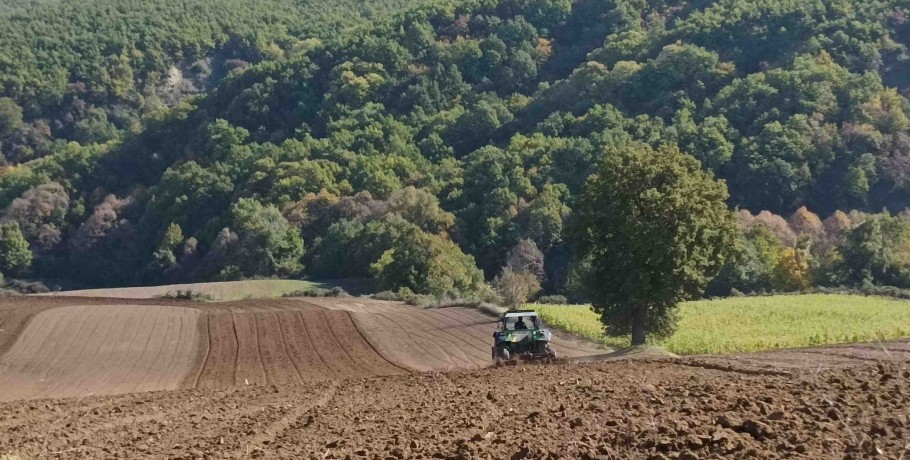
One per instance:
[(639, 322)]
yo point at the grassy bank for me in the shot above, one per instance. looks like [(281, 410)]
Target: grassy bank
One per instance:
[(227, 290), (744, 324)]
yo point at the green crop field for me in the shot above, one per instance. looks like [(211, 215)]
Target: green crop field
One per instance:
[(745, 324)]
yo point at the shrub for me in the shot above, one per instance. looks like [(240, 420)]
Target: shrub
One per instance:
[(318, 292), (516, 287), (15, 256), (427, 264), (553, 300), (188, 294), (27, 287)]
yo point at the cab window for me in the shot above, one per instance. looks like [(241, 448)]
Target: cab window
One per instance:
[(521, 323)]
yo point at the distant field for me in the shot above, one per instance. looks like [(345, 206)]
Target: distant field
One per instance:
[(745, 324), (228, 290)]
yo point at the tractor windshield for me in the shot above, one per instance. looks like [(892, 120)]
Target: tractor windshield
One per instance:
[(519, 323)]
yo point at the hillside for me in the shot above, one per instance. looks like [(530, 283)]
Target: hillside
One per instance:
[(430, 144), (92, 70)]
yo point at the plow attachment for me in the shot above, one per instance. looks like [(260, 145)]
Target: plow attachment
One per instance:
[(522, 360)]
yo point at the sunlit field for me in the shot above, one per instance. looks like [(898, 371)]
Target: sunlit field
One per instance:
[(744, 324)]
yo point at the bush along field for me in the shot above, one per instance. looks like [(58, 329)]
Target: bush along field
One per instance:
[(746, 324)]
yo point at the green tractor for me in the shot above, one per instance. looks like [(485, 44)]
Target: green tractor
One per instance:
[(521, 336)]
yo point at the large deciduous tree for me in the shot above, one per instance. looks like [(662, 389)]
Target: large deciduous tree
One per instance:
[(653, 227)]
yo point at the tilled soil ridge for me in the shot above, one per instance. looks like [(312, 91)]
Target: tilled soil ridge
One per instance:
[(100, 349), (443, 339), (57, 347)]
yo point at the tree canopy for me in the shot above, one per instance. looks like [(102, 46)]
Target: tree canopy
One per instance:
[(368, 126), (653, 229)]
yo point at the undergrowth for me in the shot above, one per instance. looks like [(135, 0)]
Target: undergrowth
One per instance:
[(188, 294)]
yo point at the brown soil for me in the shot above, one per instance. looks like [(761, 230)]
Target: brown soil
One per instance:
[(442, 339), (59, 347), (333, 378), (100, 349), (625, 409), (62, 347)]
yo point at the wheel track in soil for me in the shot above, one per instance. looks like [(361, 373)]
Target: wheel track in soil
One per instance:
[(205, 345), (379, 352), (423, 342), (882, 351), (277, 428), (258, 409), (341, 358), (443, 323), (284, 345), (401, 341), (449, 342), (835, 354), (311, 348)]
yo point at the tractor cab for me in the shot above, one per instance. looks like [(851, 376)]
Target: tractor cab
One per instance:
[(520, 321), (521, 335)]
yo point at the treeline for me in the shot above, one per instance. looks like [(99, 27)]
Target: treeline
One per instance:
[(91, 70), (434, 144), (803, 251)]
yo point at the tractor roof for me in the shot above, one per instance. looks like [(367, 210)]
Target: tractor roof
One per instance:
[(519, 313)]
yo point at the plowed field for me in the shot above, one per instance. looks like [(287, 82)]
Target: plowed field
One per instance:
[(683, 409), (62, 347), (101, 349), (443, 339), (337, 378)]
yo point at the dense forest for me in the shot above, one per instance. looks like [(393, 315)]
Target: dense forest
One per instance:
[(92, 70), (438, 145)]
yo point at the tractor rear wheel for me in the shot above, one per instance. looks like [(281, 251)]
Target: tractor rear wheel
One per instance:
[(501, 356), (551, 353)]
